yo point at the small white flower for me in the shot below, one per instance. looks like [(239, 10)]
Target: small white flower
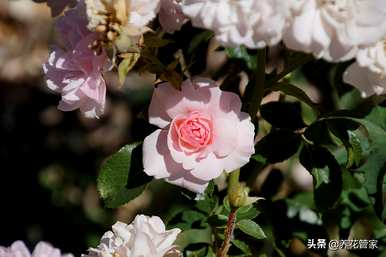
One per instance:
[(146, 236), (252, 23), (368, 73), (335, 29)]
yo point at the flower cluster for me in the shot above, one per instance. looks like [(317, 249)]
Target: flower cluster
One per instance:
[(329, 29), (146, 236), (76, 71)]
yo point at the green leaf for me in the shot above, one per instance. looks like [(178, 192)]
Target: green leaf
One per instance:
[(126, 65), (319, 134), (247, 212), (354, 151), (278, 145), (113, 181), (241, 52), (199, 39), (242, 246), (296, 92), (152, 40), (251, 228), (326, 173), (283, 115), (191, 216), (374, 169), (194, 236)]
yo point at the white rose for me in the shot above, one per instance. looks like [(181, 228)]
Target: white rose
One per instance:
[(146, 236), (335, 29), (368, 73), (252, 23)]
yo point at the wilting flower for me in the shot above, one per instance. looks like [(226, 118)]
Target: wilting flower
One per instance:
[(252, 23), (76, 70), (334, 30), (122, 22), (203, 133), (171, 16), (146, 236), (42, 249), (368, 73)]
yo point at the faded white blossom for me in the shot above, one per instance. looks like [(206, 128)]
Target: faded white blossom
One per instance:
[(122, 22), (335, 30), (146, 236), (368, 73), (252, 23)]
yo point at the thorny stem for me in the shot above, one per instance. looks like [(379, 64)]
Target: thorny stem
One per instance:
[(233, 184), (223, 251)]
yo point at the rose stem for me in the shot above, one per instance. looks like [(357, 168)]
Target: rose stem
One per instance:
[(233, 184), (223, 251)]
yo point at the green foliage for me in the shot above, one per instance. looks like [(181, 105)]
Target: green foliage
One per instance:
[(126, 65), (283, 115), (114, 183), (294, 91), (279, 145), (251, 228), (242, 53), (326, 173), (194, 236)]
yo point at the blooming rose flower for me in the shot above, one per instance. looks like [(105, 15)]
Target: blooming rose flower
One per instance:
[(171, 16), (334, 30), (42, 249), (146, 236), (252, 23), (76, 71), (203, 133), (368, 73)]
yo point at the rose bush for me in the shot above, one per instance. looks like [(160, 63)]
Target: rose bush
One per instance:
[(249, 107)]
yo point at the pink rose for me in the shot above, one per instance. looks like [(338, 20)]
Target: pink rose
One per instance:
[(76, 71), (203, 133), (171, 16)]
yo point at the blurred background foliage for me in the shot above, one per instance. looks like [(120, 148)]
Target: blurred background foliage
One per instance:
[(50, 160)]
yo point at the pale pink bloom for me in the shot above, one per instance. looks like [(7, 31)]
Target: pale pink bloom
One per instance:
[(144, 237), (42, 249), (171, 16), (202, 133), (76, 71)]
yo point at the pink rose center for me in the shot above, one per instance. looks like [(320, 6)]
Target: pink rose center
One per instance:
[(194, 132)]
